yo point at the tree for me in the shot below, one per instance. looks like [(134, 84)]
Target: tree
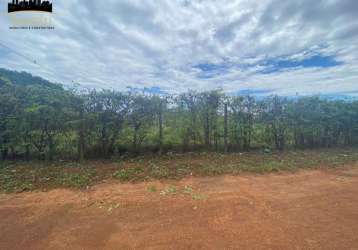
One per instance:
[(225, 127), (45, 120), (209, 104), (108, 110), (160, 107), (275, 118), (141, 115)]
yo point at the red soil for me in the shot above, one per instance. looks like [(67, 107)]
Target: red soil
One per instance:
[(305, 210)]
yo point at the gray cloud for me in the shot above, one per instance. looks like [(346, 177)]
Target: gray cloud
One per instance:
[(115, 44)]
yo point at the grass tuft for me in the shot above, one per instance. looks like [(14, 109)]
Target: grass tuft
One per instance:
[(130, 174), (169, 190), (199, 197), (152, 189)]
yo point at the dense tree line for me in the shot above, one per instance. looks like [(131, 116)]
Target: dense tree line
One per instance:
[(42, 120)]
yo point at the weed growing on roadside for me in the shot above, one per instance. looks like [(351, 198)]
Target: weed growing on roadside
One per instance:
[(158, 172), (77, 180), (187, 190), (198, 197), (169, 190), (37, 175), (152, 189), (127, 174)]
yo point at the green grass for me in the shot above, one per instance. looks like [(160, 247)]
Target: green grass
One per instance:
[(199, 197), (152, 189), (169, 190), (195, 196), (129, 174), (76, 180), (159, 172), (188, 190), (20, 178), (28, 176)]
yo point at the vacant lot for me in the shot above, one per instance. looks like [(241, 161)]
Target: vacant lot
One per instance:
[(260, 200), (307, 209)]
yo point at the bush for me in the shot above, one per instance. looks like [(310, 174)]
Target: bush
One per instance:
[(158, 172), (77, 180), (128, 174)]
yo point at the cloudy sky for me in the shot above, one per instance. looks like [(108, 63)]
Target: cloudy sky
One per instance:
[(242, 46)]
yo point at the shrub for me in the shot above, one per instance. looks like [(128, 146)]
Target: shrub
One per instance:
[(158, 172), (127, 174), (169, 190)]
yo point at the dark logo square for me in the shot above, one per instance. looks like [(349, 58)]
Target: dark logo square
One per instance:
[(31, 5)]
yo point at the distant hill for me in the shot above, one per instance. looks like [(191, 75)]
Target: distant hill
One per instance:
[(24, 79), (27, 79)]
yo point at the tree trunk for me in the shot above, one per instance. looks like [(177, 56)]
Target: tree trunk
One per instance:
[(160, 128), (225, 129), (4, 153), (81, 138), (51, 148), (27, 152), (207, 129), (135, 138)]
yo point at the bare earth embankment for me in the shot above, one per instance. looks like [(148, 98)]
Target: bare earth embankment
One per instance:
[(308, 209)]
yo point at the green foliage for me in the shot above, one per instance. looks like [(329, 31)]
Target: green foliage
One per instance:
[(270, 166), (169, 191), (152, 189), (14, 178), (212, 169), (188, 190), (199, 197), (128, 174), (76, 180), (28, 176), (159, 172), (42, 120), (195, 196)]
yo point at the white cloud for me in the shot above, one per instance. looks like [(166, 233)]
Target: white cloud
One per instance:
[(115, 44)]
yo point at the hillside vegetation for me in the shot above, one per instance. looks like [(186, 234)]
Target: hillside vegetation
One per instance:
[(41, 120)]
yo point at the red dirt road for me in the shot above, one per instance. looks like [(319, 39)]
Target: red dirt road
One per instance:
[(305, 210)]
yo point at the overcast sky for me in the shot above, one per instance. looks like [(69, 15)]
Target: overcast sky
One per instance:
[(244, 46)]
